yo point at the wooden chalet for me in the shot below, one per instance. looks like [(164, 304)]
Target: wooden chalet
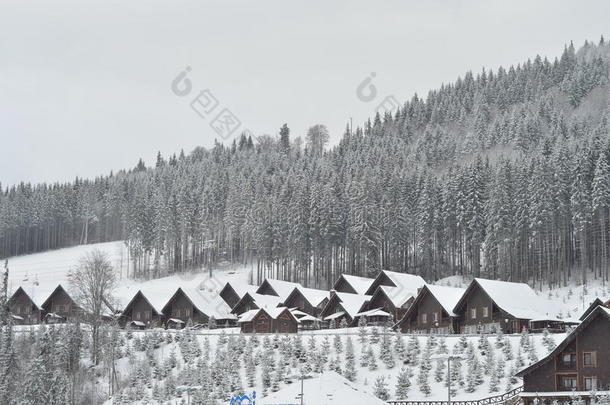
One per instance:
[(308, 300), (26, 308), (347, 283), (432, 311), (344, 306), (232, 293), (393, 300), (278, 288), (489, 306), (268, 320), (252, 301), (576, 367), (597, 302), (197, 307), (408, 283), (61, 307), (144, 310)]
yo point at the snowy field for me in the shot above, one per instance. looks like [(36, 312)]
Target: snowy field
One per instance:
[(390, 364)]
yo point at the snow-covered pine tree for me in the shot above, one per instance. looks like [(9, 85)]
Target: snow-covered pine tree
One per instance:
[(371, 358), (380, 389), (362, 331), (350, 363), (403, 384)]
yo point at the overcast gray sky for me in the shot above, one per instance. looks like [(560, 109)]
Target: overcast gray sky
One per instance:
[(85, 85)]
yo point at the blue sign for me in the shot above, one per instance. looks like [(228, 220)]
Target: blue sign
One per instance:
[(244, 399)]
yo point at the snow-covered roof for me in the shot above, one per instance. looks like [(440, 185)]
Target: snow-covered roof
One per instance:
[(398, 295), (272, 312), (448, 297), (352, 303), (334, 316), (242, 289), (375, 312), (38, 294), (326, 388), (315, 297), (138, 323), (359, 284), (265, 301), (175, 320), (406, 281), (157, 297), (309, 318), (297, 312), (518, 299), (209, 303), (281, 287)]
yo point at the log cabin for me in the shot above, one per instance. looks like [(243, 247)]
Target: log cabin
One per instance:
[(197, 307), (144, 310), (26, 308), (308, 300), (488, 306), (232, 293), (60, 307), (393, 300), (347, 283), (432, 311), (278, 288), (576, 367), (268, 320), (255, 301), (344, 306)]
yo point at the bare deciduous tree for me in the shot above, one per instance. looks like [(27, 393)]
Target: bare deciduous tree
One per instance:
[(93, 281)]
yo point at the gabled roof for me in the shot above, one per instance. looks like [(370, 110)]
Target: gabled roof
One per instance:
[(397, 296), (281, 288), (313, 296), (261, 301), (516, 299), (208, 303), (36, 294), (599, 311), (448, 297), (240, 289), (405, 281), (154, 299), (359, 284), (597, 301), (375, 312), (352, 304), (58, 289), (273, 313)]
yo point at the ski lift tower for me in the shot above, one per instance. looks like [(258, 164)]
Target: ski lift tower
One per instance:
[(209, 246)]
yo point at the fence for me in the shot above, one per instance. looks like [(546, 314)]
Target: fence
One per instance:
[(496, 399)]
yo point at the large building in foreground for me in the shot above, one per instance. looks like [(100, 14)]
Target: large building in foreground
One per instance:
[(577, 367)]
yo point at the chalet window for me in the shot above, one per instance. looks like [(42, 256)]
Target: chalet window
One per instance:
[(424, 318), (17, 309), (137, 315), (177, 313), (146, 314), (569, 382), (187, 312), (473, 313), (589, 359), (568, 359), (590, 383), (435, 317), (485, 312)]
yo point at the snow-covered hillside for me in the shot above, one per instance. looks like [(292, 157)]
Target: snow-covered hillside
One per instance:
[(385, 364)]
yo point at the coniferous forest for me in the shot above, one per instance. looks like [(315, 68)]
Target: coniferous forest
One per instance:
[(503, 174)]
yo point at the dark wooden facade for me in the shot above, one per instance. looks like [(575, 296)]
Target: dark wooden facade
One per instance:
[(24, 309), (181, 307), (141, 310), (60, 307), (477, 312), (297, 300), (579, 363), (427, 315), (263, 322), (380, 299)]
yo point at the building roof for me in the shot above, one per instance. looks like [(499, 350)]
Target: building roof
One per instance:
[(281, 287), (375, 312), (516, 299), (597, 301), (359, 284), (407, 281), (352, 303), (209, 303), (156, 298), (313, 296), (448, 297), (274, 313), (397, 295), (38, 295), (598, 311), (240, 289)]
